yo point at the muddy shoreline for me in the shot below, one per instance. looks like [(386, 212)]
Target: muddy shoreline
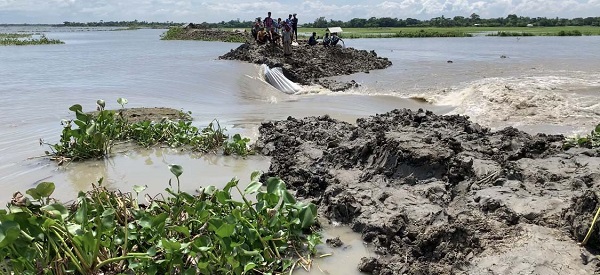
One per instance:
[(442, 195)]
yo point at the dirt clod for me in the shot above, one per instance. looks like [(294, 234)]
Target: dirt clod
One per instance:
[(334, 242)]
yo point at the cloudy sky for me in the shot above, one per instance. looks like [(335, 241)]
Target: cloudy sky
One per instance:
[(57, 11)]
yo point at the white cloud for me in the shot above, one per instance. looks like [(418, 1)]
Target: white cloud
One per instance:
[(54, 11)]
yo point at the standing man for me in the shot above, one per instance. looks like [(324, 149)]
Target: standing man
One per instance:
[(278, 26), (287, 40), (268, 22), (295, 26), (289, 20)]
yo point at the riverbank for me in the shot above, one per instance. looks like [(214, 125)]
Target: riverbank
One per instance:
[(441, 195)]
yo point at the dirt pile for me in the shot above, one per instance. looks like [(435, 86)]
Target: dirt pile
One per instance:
[(204, 34), (441, 195), (156, 114), (310, 64)]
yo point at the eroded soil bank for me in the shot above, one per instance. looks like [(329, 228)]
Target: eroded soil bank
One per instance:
[(195, 32), (156, 114), (311, 64), (441, 195)]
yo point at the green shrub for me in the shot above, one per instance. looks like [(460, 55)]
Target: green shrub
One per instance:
[(173, 33), (238, 146)]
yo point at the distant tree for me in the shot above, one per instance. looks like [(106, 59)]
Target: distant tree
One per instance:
[(412, 22), (320, 22), (357, 23)]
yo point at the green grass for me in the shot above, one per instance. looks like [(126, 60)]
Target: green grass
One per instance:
[(173, 33)]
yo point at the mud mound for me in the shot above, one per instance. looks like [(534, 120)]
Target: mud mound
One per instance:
[(309, 64), (205, 34), (134, 115), (441, 195)]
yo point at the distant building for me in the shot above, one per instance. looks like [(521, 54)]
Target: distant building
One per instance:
[(334, 29), (529, 25)]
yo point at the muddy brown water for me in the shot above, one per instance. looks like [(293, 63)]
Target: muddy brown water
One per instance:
[(38, 84)]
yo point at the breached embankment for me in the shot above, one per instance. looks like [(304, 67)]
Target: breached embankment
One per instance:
[(311, 64), (442, 195)]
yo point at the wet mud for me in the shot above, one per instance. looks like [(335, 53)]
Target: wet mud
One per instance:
[(156, 114), (442, 195), (310, 65)]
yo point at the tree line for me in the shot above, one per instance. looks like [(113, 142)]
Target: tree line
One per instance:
[(512, 20)]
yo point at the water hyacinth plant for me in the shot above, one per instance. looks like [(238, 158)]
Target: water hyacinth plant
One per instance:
[(109, 232), (26, 40), (93, 135)]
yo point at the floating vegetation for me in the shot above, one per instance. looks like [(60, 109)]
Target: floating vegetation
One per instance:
[(92, 135), (18, 40), (110, 232)]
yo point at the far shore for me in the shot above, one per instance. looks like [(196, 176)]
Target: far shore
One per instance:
[(422, 32)]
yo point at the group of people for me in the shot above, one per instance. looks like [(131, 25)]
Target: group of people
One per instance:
[(276, 32), (332, 40)]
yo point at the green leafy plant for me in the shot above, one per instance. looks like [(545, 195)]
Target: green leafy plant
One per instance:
[(590, 141), (237, 145), (110, 232), (177, 134), (93, 135), (87, 136)]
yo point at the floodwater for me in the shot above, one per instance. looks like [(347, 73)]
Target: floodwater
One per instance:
[(544, 84)]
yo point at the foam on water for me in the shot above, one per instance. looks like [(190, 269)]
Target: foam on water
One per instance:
[(569, 100)]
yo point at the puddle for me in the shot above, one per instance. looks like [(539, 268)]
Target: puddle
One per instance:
[(343, 260), (150, 167)]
